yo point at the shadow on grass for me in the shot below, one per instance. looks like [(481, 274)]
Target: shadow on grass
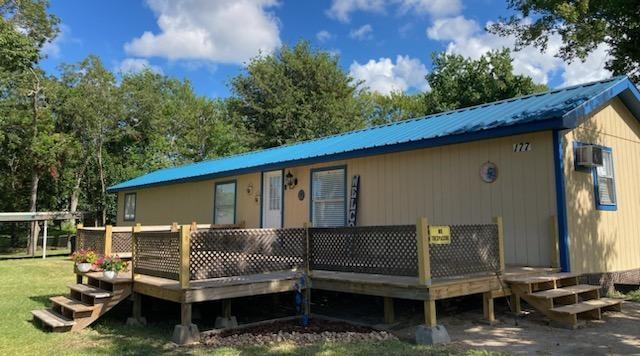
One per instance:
[(23, 256), (43, 300)]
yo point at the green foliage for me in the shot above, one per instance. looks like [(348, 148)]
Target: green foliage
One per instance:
[(25, 26), (582, 25), (381, 109), (458, 82), (295, 94)]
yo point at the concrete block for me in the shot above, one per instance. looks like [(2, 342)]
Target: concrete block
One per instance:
[(183, 335), (225, 323), (432, 335)]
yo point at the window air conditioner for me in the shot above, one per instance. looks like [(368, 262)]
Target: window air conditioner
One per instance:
[(589, 156)]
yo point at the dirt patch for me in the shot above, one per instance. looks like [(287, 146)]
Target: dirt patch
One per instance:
[(294, 332)]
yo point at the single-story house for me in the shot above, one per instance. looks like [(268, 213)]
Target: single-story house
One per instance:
[(558, 166)]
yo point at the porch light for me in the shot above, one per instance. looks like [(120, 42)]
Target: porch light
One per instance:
[(290, 181)]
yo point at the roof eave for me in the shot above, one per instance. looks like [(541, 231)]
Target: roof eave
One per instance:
[(542, 125), (624, 89)]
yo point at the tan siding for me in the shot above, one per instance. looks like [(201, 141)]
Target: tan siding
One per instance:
[(187, 202), (603, 241), (441, 183)]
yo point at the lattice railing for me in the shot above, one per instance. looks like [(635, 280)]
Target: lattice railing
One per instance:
[(389, 250), (157, 254), (90, 240), (121, 242), (474, 249), (235, 252)]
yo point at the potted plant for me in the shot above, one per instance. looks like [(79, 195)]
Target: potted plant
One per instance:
[(84, 259), (111, 266)]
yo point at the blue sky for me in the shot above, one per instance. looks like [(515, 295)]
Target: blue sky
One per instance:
[(386, 43)]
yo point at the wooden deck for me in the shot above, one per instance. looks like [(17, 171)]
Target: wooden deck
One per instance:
[(217, 288)]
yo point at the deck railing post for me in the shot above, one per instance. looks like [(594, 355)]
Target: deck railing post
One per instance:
[(194, 226), (108, 231), (498, 221), (184, 256), (424, 260), (175, 227), (134, 242)]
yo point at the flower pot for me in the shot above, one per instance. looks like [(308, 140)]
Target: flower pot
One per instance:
[(83, 267), (110, 274)]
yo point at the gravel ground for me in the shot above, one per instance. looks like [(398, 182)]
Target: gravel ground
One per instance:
[(294, 332), (616, 334)]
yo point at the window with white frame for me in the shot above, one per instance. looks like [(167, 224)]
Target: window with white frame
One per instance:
[(328, 200), (130, 207), (275, 192), (604, 180), (225, 203)]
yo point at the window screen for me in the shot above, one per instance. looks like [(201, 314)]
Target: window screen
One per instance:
[(328, 198), (606, 188), (130, 207), (225, 203)]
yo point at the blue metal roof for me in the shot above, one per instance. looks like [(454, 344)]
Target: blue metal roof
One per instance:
[(555, 109)]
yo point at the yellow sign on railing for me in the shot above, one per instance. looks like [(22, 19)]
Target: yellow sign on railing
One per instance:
[(439, 235)]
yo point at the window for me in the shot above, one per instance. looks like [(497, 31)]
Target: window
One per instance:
[(225, 203), (275, 192), (328, 197), (605, 183), (130, 207)]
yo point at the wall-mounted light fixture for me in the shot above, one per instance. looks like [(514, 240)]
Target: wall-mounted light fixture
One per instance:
[(250, 188), (290, 181)]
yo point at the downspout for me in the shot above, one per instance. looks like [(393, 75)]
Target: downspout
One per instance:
[(561, 201)]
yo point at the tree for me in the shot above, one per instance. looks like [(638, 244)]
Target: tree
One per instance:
[(25, 26), (90, 110), (396, 106), (295, 94), (458, 82), (582, 25)]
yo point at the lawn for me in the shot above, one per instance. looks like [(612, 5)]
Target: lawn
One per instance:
[(27, 284)]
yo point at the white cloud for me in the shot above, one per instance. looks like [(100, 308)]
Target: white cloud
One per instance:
[(590, 70), (229, 31), (384, 76), (468, 39), (362, 33), (324, 36), (135, 65), (435, 8), (454, 28), (341, 9)]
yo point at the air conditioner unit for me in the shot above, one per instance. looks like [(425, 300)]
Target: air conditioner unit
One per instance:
[(589, 156)]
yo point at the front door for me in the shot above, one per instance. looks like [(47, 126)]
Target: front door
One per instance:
[(272, 199)]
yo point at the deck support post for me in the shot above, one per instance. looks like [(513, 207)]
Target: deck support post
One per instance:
[(136, 319), (488, 308), (226, 320), (431, 333), (389, 312), (516, 306), (186, 332)]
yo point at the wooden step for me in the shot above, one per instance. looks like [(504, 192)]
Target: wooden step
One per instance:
[(123, 277), (75, 306), (541, 278), (564, 291), (586, 306), (53, 320), (90, 291)]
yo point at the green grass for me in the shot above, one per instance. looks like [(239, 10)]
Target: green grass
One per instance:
[(27, 284)]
